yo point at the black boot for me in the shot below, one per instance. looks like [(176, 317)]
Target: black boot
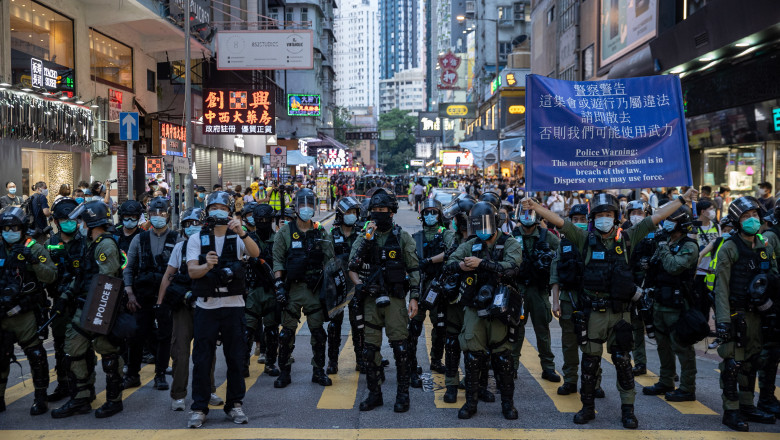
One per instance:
[(160, 383), (401, 355), (471, 361), (451, 363), (374, 398), (74, 405), (39, 366), (502, 369), (39, 403), (589, 369), (754, 414), (59, 393), (639, 369), (734, 420), (438, 340), (286, 342), (451, 395), (271, 349), (415, 330), (334, 343), (113, 403), (318, 373), (628, 418), (768, 402), (484, 375)]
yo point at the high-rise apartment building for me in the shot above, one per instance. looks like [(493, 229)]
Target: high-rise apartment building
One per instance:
[(356, 54)]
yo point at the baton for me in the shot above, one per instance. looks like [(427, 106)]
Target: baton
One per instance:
[(47, 323)]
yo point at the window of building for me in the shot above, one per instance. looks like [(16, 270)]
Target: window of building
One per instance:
[(304, 15), (550, 15), (290, 18), (505, 13), (274, 13), (111, 61), (41, 47)]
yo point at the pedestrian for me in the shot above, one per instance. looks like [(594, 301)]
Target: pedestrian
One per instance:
[(765, 197), (39, 204), (10, 199), (556, 203), (214, 261), (721, 201), (200, 197), (63, 192), (419, 194)]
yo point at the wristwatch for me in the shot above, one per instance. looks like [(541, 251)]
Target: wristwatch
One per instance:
[(243, 236)]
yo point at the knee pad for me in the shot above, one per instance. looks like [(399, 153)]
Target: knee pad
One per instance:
[(415, 329), (286, 336), (369, 353), (728, 375), (623, 368), (110, 363), (333, 327), (401, 346), (451, 343), (590, 364), (472, 359), (270, 333)]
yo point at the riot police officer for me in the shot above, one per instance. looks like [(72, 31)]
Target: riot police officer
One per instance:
[(430, 244), (129, 215), (487, 264), (146, 262), (26, 266), (458, 212), (66, 249), (641, 253), (301, 250), (384, 267), (101, 256), (538, 246), (344, 236), (608, 288), (671, 279), (176, 296), (262, 313), (742, 258), (566, 274), (770, 353)]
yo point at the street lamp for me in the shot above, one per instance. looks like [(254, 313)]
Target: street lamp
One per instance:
[(460, 19)]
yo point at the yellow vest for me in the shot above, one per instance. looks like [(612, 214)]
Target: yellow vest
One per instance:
[(275, 201)]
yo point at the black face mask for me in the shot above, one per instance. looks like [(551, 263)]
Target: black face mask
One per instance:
[(383, 220), (263, 230)]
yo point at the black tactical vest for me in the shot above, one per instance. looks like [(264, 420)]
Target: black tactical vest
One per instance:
[(14, 277), (211, 285), (749, 264), (607, 270), (147, 261), (122, 240), (342, 245), (641, 255), (528, 274), (672, 289), (570, 267), (89, 262), (389, 260), (472, 281), (305, 256), (66, 256), (430, 248)]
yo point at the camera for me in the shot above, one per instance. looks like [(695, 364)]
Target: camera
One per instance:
[(113, 181), (483, 300), (645, 308), (8, 302), (499, 307), (433, 294), (225, 275), (451, 288), (382, 298)]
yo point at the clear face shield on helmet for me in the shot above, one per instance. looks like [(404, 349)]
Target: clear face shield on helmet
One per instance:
[(483, 226), (304, 207)]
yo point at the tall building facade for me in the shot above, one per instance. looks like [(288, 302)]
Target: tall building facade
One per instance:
[(356, 54), (402, 36), (405, 91)]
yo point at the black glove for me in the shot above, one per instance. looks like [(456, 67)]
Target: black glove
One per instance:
[(281, 292), (723, 330), (491, 266), (59, 307), (424, 263), (360, 293), (162, 312)]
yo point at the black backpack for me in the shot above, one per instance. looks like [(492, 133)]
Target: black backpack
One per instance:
[(691, 327)]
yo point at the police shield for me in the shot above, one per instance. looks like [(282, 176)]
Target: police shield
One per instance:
[(101, 305), (335, 288)]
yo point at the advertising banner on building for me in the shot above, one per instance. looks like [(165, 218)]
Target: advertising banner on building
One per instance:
[(265, 50), (169, 139), (623, 133), (625, 25), (238, 111), (303, 105), (458, 110)]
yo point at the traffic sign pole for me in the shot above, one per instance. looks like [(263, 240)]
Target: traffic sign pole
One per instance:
[(130, 170)]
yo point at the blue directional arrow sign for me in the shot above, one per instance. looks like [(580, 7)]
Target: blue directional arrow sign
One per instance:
[(128, 126)]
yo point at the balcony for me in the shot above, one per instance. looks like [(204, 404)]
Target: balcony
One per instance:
[(471, 7)]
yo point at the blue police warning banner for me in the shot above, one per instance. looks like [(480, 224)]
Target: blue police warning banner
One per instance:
[(621, 133)]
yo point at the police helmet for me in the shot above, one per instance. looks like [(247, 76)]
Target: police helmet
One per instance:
[(460, 204), (682, 218), (249, 208), (383, 199), (527, 218), (94, 213), (159, 204), (219, 198), (131, 208), (344, 205), (288, 213), (491, 197), (13, 216), (640, 205), (742, 205), (774, 216), (483, 218), (63, 207), (578, 209), (263, 211), (364, 209), (604, 202), (304, 198), (192, 214), (431, 204), (725, 221)]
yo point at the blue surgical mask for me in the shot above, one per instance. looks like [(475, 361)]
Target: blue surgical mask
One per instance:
[(218, 213), (250, 220), (130, 224), (583, 226), (484, 235), (455, 226), (669, 225), (45, 192), (12, 191), (201, 195), (751, 225), (83, 230), (191, 230), (158, 221), (431, 219), (306, 213), (12, 237), (726, 235), (97, 198), (350, 219), (79, 200), (588, 196), (528, 220), (68, 226), (604, 224)]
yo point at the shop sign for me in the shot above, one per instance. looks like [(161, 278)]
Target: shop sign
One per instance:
[(303, 105), (776, 118), (516, 109), (416, 162), (238, 111), (172, 139), (114, 104), (334, 157), (459, 110), (42, 76), (457, 158), (154, 165), (265, 50), (448, 64)]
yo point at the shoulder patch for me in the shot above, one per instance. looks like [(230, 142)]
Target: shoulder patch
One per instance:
[(102, 256), (295, 235), (763, 255), (618, 250), (42, 259)]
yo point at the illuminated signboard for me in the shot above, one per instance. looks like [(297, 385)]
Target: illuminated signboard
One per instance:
[(517, 109), (776, 118), (457, 158), (495, 85), (154, 165), (303, 105), (238, 111), (334, 157), (172, 139)]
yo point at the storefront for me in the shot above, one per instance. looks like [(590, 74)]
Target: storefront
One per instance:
[(234, 169), (204, 171)]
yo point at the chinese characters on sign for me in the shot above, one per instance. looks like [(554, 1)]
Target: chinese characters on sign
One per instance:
[(154, 165), (303, 105), (231, 111), (448, 64), (114, 104), (623, 133), (334, 157), (173, 139)]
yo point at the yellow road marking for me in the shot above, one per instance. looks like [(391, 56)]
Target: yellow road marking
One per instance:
[(146, 374), (343, 392), (439, 385), (566, 404), (651, 378), (24, 387), (384, 433)]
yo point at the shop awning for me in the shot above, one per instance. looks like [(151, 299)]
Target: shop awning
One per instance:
[(326, 141)]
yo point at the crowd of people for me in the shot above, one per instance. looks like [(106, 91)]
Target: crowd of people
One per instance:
[(241, 267)]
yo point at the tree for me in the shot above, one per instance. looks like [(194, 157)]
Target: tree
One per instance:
[(395, 154), (342, 124)]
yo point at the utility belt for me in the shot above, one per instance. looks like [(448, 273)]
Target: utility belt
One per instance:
[(669, 296), (601, 302)]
